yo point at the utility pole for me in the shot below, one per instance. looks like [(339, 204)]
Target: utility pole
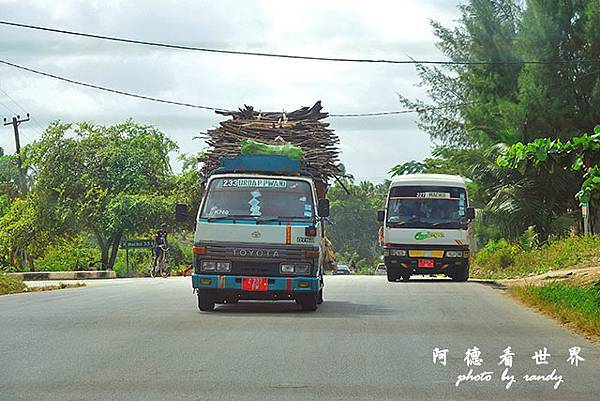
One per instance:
[(15, 123)]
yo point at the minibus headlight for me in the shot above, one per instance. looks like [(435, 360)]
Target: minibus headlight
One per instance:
[(454, 254), (397, 252)]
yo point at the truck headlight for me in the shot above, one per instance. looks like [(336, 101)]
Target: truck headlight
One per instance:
[(209, 266), (224, 267), (397, 252), (297, 268), (301, 269), (286, 268), (454, 254)]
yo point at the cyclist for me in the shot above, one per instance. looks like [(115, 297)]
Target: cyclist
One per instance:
[(160, 244)]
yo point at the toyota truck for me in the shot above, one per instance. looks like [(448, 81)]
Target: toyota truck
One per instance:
[(259, 233)]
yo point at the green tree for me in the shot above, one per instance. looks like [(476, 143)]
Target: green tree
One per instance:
[(106, 181), (487, 107), (187, 186), (354, 214), (579, 154)]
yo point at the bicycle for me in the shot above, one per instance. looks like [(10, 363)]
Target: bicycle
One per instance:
[(160, 265)]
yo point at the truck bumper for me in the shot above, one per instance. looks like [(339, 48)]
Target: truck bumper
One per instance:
[(441, 266), (233, 284)]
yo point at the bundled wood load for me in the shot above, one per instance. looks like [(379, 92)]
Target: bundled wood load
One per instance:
[(302, 128)]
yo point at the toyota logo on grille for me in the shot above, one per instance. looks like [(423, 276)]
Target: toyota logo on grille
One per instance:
[(261, 253), (255, 234)]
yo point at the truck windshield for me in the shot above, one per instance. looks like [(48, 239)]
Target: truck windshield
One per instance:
[(260, 199), (427, 207)]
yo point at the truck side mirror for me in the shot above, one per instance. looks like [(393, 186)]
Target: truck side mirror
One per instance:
[(181, 213), (470, 213), (323, 207), (380, 216)]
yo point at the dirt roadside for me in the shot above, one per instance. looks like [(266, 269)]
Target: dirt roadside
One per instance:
[(575, 275)]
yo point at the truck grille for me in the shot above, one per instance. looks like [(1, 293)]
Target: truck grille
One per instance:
[(254, 269), (254, 259)]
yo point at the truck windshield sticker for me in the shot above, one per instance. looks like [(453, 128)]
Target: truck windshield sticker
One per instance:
[(255, 183), (444, 195), (421, 235), (255, 204), (215, 211)]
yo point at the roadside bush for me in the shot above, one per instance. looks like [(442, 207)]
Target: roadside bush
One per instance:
[(529, 239), (10, 285), (496, 255), (79, 254)]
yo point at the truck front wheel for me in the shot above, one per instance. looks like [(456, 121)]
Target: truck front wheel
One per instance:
[(461, 274), (309, 302), (205, 302), (391, 275)]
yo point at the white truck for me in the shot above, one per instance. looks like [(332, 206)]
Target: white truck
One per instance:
[(259, 234), (426, 227)]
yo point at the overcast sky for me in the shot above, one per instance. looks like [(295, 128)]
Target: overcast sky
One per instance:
[(360, 29)]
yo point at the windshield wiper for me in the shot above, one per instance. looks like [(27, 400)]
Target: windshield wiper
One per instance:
[(258, 221), (280, 219), (230, 217), (452, 222)]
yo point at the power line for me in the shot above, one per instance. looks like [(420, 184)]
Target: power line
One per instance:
[(285, 55), (7, 108), (196, 106), (25, 111), (390, 113), (102, 88)]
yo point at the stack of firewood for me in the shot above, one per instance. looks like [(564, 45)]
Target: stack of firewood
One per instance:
[(302, 128)]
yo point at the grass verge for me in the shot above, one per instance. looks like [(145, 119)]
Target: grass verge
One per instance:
[(504, 260), (576, 306)]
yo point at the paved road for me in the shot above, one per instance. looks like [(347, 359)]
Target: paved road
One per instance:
[(371, 340)]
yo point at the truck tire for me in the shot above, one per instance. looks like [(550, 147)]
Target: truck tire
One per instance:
[(461, 274), (309, 302), (391, 276), (205, 302)]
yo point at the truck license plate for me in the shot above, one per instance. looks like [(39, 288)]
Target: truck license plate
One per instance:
[(425, 263), (255, 283)]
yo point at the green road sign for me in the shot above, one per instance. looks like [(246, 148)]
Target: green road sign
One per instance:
[(137, 243)]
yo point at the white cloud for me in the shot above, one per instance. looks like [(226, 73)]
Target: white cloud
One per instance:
[(374, 29)]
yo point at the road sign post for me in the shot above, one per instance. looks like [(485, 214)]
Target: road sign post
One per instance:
[(135, 244)]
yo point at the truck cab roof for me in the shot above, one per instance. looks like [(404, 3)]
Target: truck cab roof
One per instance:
[(429, 179)]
